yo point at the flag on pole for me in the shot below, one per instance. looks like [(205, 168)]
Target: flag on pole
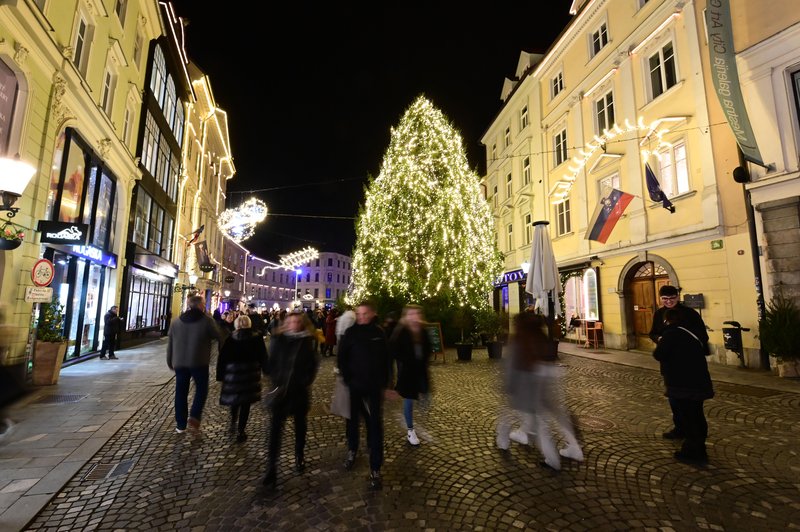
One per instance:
[(194, 235), (606, 214), (654, 188)]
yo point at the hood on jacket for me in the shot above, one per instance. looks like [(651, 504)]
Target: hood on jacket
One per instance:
[(192, 315)]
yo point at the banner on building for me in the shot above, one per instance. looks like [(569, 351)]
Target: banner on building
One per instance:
[(607, 214), (725, 76), (203, 260)]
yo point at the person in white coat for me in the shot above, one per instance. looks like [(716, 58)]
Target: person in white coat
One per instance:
[(344, 322)]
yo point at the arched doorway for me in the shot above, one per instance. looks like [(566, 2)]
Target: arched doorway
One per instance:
[(643, 282)]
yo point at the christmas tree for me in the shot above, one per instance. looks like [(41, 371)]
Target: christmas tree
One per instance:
[(425, 231)]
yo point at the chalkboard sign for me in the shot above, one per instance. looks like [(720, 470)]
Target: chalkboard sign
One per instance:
[(435, 334)]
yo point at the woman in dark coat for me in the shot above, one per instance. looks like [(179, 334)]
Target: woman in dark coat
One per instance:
[(411, 349), (292, 367), (239, 366), (688, 383)]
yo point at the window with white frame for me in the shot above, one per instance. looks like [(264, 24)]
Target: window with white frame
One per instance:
[(82, 43), (560, 147), (138, 46), (556, 84), (526, 171), (674, 169), (599, 39), (494, 151), (120, 9), (605, 185), (663, 75), (494, 197), (107, 94), (604, 112), (510, 237), (528, 229), (509, 185), (563, 222), (127, 125), (523, 118), (507, 137), (169, 102), (158, 76)]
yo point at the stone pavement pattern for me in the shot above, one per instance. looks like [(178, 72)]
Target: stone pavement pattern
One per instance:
[(457, 479)]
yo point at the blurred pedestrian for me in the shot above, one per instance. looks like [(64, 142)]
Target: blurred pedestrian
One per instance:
[(111, 330), (188, 354), (330, 332), (344, 322), (241, 361), (411, 350), (364, 362), (12, 384), (292, 368), (685, 370), (256, 319)]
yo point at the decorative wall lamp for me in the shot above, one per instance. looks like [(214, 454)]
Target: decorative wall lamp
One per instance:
[(191, 286), (15, 175)]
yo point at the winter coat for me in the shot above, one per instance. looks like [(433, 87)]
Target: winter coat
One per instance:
[(239, 366), (344, 322), (683, 365), (364, 359), (112, 324), (257, 323), (412, 367), (292, 368), (689, 318), (189, 340), (330, 330)]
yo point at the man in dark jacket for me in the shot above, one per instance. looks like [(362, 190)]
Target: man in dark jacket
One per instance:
[(256, 319), (691, 320), (110, 332), (188, 355), (364, 364)]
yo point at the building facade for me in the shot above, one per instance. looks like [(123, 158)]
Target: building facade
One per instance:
[(324, 280)]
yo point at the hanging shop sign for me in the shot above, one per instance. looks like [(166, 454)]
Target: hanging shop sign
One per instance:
[(510, 277), (38, 294), (230, 279), (62, 232), (43, 272)]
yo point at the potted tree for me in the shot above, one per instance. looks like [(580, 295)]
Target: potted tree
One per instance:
[(463, 320), (779, 331), (50, 346), (490, 326)]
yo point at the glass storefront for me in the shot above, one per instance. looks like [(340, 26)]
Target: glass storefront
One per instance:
[(149, 301)]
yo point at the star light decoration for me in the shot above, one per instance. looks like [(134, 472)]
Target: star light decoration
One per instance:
[(298, 258), (240, 223)]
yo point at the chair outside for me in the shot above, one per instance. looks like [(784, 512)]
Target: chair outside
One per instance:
[(594, 335)]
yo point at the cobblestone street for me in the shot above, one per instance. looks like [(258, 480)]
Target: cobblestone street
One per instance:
[(147, 477)]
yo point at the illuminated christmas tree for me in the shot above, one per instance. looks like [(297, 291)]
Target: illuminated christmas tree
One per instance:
[(425, 231)]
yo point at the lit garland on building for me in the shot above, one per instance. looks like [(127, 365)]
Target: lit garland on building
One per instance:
[(425, 229), (240, 223), (298, 258)]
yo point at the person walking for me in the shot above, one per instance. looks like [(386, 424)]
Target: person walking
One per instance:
[(241, 360), (256, 319), (330, 332), (292, 368), (111, 331), (685, 370), (364, 364), (344, 322), (188, 354), (411, 350), (692, 321)]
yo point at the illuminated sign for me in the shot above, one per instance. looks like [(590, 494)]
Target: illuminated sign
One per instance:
[(510, 277), (62, 233), (95, 255)]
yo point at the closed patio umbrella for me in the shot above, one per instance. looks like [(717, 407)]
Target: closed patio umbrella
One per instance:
[(543, 282)]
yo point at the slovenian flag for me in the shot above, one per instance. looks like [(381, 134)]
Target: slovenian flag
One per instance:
[(606, 214)]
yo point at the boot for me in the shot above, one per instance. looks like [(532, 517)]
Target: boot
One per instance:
[(271, 478), (299, 462)]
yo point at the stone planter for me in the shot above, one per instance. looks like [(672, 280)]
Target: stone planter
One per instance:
[(464, 352), (47, 359), (790, 369), (495, 349)]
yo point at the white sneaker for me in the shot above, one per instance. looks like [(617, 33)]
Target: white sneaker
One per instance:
[(573, 452), (412, 437), (179, 431), (518, 436)]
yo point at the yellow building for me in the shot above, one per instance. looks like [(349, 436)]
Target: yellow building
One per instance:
[(73, 76), (622, 87)]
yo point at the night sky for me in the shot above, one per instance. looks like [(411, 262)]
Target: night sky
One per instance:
[(312, 92)]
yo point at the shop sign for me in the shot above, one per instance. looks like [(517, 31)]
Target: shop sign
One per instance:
[(62, 232), (38, 294), (230, 279), (156, 264), (43, 272), (510, 277), (95, 255)]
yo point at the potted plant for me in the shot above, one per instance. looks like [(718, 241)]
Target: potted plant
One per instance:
[(50, 346), (490, 326), (463, 320), (10, 236), (779, 332)]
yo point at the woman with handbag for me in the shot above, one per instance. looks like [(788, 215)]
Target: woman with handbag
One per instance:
[(239, 365), (292, 367)]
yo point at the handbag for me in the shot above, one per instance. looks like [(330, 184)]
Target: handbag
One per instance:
[(340, 400)]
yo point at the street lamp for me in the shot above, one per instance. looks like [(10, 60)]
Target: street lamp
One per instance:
[(297, 273), (227, 293), (525, 267), (193, 279), (14, 178)]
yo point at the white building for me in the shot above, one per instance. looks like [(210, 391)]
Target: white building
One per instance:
[(324, 279)]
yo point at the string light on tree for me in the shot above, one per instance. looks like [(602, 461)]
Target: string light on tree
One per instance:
[(240, 223), (425, 229)]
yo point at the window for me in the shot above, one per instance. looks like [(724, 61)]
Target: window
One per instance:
[(138, 45), (140, 224), (127, 125), (509, 186), (526, 171), (316, 277), (599, 39), (316, 292), (560, 147), (523, 118), (82, 44), (528, 229), (169, 102), (107, 97), (510, 237), (308, 277), (674, 170), (10, 92), (158, 77), (507, 137), (662, 70), (327, 293), (494, 197), (604, 112), (330, 263), (563, 223), (557, 84), (317, 263), (120, 9), (796, 85), (494, 151), (178, 128), (606, 184)]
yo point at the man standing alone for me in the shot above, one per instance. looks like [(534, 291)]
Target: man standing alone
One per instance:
[(188, 355), (690, 320), (110, 333)]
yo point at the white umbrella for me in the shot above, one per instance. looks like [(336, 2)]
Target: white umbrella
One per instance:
[(543, 279)]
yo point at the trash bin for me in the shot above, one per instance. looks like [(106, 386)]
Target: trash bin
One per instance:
[(732, 338)]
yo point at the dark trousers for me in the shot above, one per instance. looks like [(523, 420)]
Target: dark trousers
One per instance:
[(108, 345), (373, 421), (279, 416), (241, 411), (677, 421), (182, 378), (695, 427)]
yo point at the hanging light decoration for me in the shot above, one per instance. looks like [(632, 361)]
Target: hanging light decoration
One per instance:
[(240, 223), (298, 258)]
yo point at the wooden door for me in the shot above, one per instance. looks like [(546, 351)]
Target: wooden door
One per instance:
[(644, 297)]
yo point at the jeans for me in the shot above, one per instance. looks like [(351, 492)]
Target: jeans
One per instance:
[(374, 422), (182, 377), (408, 412)]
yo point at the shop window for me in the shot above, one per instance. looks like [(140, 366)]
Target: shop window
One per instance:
[(72, 190), (9, 90), (592, 304)]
